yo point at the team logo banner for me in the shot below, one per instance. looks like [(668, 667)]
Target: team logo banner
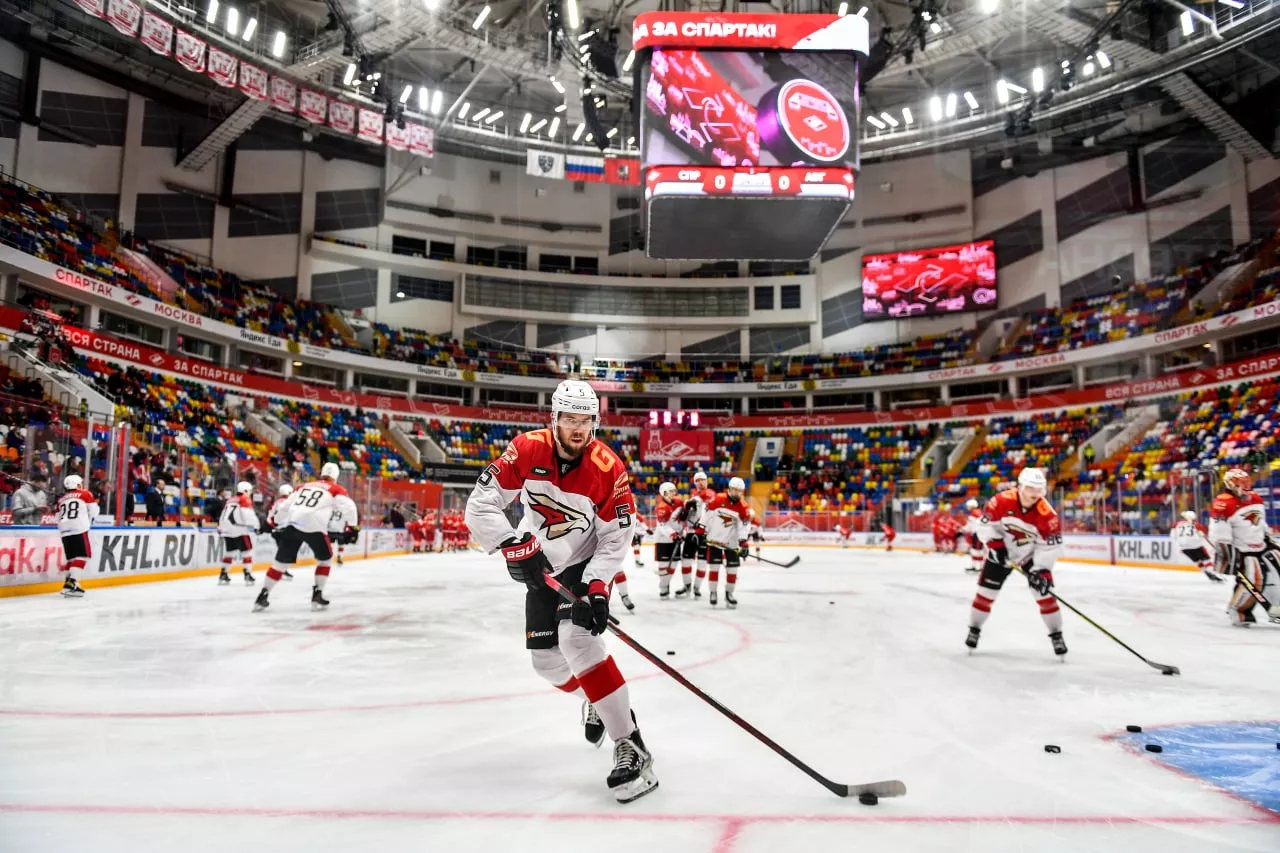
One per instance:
[(124, 15), (157, 33), (189, 51), (284, 95), (253, 81), (371, 122), (397, 139), (312, 106), (97, 8), (622, 170), (342, 117), (677, 445), (222, 68), (545, 164), (422, 140)]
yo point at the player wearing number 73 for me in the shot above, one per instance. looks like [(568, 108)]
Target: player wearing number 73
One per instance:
[(577, 526)]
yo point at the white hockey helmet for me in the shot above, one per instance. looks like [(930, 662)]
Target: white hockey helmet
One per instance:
[(575, 397), (1189, 516), (736, 485), (1032, 485), (243, 488), (72, 482), (972, 503), (667, 490), (1237, 481), (285, 490), (700, 475), (329, 471)]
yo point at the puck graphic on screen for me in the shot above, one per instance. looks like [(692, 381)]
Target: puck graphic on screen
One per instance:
[(801, 122)]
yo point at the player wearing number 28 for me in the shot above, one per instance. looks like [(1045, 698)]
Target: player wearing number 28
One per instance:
[(577, 526)]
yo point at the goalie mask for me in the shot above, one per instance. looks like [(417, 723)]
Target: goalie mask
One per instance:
[(1237, 481)]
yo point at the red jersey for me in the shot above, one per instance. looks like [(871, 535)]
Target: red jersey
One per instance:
[(1239, 522), (580, 511), (726, 521), (1032, 536)]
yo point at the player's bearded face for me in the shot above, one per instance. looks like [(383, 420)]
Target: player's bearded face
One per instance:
[(573, 433)]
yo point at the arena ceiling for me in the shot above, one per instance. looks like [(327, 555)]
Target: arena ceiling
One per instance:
[(988, 74)]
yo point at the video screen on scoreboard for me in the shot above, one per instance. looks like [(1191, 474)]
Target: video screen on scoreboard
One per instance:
[(750, 108), (929, 282)]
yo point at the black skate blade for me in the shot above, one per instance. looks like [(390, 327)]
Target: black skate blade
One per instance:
[(887, 788)]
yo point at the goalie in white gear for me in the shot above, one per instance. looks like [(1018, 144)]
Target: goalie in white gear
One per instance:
[(236, 525), (309, 513), (1189, 536)]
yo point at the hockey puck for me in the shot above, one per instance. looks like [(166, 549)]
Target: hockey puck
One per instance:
[(671, 653), (830, 602), (868, 799), (1154, 747), (1133, 728), (1052, 748)]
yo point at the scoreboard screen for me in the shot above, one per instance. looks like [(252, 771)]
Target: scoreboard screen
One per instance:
[(667, 419)]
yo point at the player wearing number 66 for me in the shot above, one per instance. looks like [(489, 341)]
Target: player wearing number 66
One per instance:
[(577, 526)]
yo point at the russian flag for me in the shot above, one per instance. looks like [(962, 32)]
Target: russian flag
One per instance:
[(584, 168)]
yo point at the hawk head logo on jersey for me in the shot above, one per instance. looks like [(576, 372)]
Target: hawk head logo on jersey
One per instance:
[(557, 519)]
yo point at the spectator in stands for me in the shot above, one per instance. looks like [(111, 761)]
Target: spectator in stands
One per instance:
[(30, 501), (1089, 454), (155, 503), (394, 517)]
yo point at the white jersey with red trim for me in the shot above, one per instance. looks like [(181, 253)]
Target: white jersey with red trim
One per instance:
[(279, 512), (580, 511), (972, 521), (1190, 535), (669, 528), (1031, 536), (312, 506), (1240, 522), (726, 521), (343, 515), (697, 502), (238, 517), (76, 511)]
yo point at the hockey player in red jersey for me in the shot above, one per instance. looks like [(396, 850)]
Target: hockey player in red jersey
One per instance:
[(1238, 527), (1020, 528), (942, 540), (417, 530), (1190, 537), (726, 524), (667, 533), (76, 510), (843, 531), (889, 535), (970, 530), (236, 525), (695, 537), (577, 523), (309, 514)]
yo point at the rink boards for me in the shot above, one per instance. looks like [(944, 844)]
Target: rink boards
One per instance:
[(30, 557)]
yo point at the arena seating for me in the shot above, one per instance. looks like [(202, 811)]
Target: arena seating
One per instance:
[(420, 347), (850, 469), (353, 439), (1140, 309), (1013, 444), (1266, 288)]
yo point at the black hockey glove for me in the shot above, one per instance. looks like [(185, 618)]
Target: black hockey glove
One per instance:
[(350, 535), (743, 550), (525, 561), (591, 610), (998, 558), (1040, 580)]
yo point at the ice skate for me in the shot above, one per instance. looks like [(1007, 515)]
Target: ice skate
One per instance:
[(729, 601), (1059, 645), (972, 640), (249, 579), (72, 589), (683, 592), (632, 776), (627, 603), (592, 727), (665, 595), (712, 599), (285, 574), (223, 577), (261, 602), (318, 601)]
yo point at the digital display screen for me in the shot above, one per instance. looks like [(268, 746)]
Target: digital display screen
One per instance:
[(742, 108), (929, 282)]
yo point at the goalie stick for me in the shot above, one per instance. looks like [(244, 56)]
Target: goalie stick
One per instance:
[(887, 788)]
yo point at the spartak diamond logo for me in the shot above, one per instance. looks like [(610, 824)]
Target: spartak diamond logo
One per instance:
[(1196, 378), (557, 519), (156, 358), (1229, 320), (133, 299)]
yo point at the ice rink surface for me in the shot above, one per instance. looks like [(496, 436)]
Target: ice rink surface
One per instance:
[(168, 717)]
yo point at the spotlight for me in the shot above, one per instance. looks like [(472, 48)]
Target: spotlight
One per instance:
[(935, 28), (484, 13), (843, 10), (558, 85), (577, 134), (1188, 23), (424, 99), (277, 46), (233, 21), (1037, 80), (875, 122), (211, 14), (1002, 92), (889, 120), (971, 100), (249, 29), (951, 105), (571, 9), (437, 102), (493, 118), (990, 7), (1088, 68), (626, 63), (481, 113), (524, 122), (399, 295), (862, 13), (463, 110), (350, 75), (562, 108), (538, 125), (935, 108), (613, 131), (404, 96), (907, 118), (1103, 60), (555, 127)]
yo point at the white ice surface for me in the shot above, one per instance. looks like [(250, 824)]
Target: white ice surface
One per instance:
[(168, 717)]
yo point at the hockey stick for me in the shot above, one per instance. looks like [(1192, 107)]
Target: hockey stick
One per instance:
[(888, 788), (1165, 669), (786, 565), (1253, 591)]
